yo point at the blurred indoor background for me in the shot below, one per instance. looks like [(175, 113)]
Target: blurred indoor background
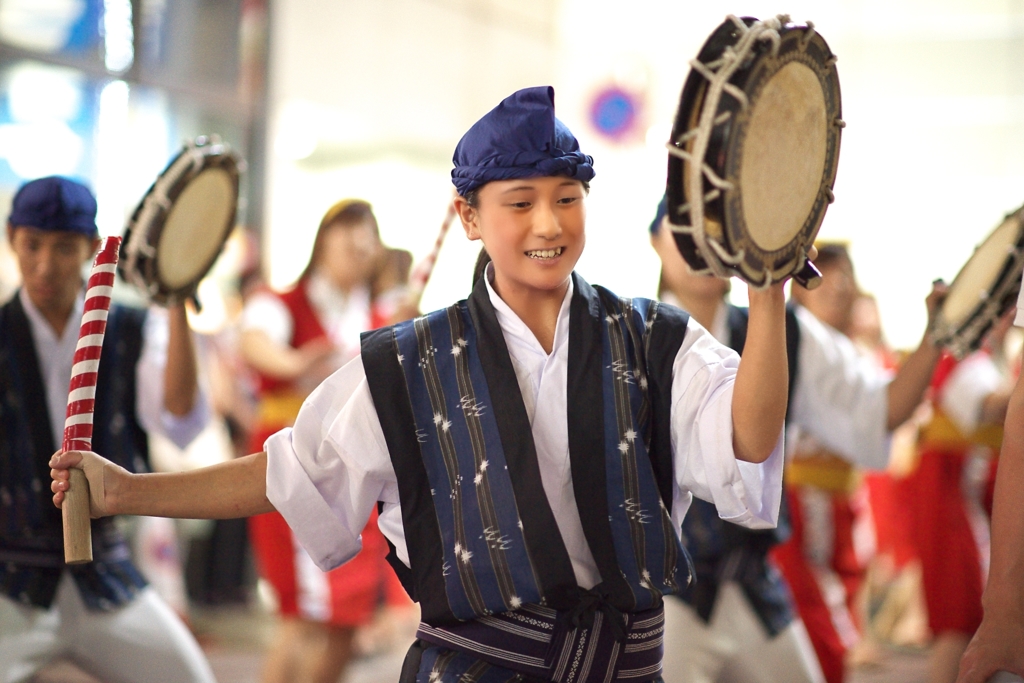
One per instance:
[(328, 99), (340, 98)]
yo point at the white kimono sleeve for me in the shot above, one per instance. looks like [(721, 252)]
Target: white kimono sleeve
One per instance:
[(149, 387), (840, 398), (972, 381), (326, 474), (745, 493)]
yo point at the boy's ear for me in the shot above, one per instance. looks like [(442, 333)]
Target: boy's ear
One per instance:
[(469, 217)]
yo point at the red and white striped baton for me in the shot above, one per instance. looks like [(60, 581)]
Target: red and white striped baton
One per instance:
[(82, 400), (421, 273)]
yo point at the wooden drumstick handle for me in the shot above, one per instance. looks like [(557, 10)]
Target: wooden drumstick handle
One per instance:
[(77, 523), (808, 277), (82, 399)]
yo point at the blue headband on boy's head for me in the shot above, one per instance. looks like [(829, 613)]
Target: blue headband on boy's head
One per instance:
[(520, 138), (55, 203)]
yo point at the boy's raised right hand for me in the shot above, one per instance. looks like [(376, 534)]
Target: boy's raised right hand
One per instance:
[(103, 476)]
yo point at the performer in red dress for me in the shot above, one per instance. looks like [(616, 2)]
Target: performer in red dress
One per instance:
[(950, 524), (294, 340)]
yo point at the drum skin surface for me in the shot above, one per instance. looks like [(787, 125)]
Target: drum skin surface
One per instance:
[(774, 144), (191, 238), (179, 227), (786, 144), (985, 288)]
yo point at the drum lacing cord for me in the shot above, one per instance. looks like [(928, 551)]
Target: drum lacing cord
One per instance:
[(153, 205), (961, 339), (718, 74)]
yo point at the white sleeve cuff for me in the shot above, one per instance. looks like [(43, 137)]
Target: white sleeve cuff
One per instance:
[(745, 493), (183, 429), (313, 523), (705, 463), (973, 380)]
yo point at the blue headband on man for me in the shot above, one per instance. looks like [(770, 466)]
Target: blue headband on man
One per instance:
[(55, 203), (520, 138)]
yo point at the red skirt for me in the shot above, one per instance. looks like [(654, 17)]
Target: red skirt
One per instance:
[(951, 565), (824, 587), (347, 596)]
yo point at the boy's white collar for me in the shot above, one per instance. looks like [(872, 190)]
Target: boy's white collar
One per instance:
[(513, 324)]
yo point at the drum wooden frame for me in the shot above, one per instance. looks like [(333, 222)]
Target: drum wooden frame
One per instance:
[(986, 287), (754, 150), (178, 229)]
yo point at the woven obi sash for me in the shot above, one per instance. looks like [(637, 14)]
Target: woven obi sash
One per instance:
[(481, 536), (279, 407), (824, 471), (941, 433), (546, 645)]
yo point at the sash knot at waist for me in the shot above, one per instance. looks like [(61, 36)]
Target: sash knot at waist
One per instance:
[(588, 603), (592, 642)]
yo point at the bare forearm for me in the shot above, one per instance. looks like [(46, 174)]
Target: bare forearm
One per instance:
[(1005, 591), (180, 375), (907, 389), (762, 382), (236, 488), (269, 358)]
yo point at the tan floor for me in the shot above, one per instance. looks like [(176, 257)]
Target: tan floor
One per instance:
[(235, 639)]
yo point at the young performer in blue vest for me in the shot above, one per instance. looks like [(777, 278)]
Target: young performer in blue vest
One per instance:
[(102, 615), (532, 449), (740, 619)]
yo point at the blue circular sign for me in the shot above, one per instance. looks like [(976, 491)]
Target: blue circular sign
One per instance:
[(614, 112)]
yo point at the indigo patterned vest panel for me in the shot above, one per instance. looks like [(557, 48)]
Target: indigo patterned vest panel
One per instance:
[(31, 540), (646, 545), (486, 566), (500, 547)]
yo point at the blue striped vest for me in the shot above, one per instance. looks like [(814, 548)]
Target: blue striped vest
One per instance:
[(481, 536), (31, 536)]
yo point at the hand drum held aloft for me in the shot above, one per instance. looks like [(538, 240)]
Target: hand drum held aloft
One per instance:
[(82, 400), (179, 228), (985, 288), (754, 151)]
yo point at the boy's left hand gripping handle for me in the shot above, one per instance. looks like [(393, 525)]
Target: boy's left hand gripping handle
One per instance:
[(82, 400)]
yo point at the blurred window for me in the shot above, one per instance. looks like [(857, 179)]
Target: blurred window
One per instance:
[(109, 90)]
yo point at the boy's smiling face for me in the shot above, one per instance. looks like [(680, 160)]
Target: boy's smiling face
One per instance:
[(533, 229)]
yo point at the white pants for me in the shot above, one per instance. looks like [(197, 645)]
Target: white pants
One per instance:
[(734, 645), (142, 642)]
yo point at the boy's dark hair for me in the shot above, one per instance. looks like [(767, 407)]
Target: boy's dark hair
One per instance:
[(473, 196), (482, 259)]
